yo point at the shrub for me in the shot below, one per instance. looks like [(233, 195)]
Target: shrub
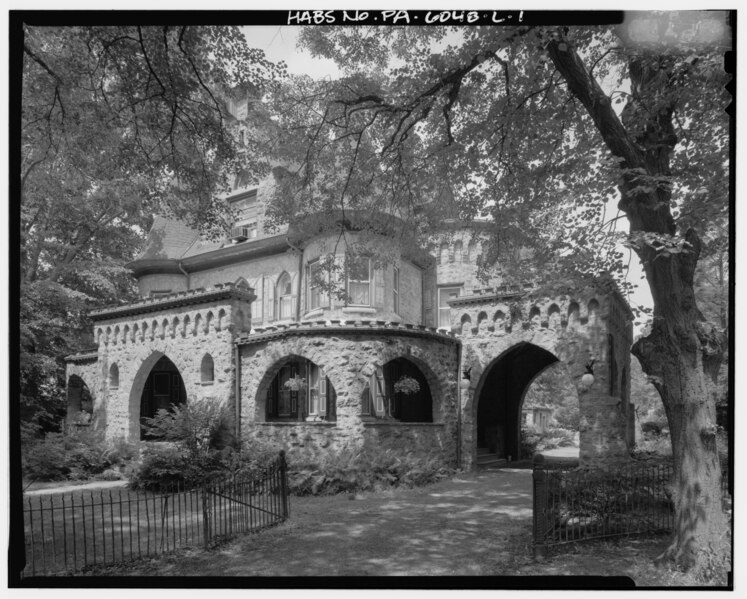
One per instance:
[(46, 459), (164, 467), (80, 455), (369, 470)]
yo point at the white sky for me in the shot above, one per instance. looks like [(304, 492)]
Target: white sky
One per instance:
[(279, 43)]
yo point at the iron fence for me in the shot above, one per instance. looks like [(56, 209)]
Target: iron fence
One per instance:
[(574, 505), (68, 532)]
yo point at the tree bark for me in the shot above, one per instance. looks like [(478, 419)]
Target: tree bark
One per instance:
[(682, 351)]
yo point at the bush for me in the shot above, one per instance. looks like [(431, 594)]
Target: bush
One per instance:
[(199, 447), (80, 455), (365, 471), (164, 467)]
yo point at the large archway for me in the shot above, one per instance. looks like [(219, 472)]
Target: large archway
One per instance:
[(163, 388), (499, 397)]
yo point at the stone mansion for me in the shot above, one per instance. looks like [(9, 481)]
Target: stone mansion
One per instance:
[(416, 355)]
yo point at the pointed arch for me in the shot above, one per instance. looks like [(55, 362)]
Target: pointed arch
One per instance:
[(197, 328), (126, 334), (164, 328), (157, 384), (185, 329), (482, 322), (208, 323), (115, 338)]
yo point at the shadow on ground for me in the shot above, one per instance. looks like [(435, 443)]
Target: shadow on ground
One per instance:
[(455, 527)]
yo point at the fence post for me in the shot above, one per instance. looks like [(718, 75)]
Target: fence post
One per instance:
[(539, 506), (284, 482), (206, 516)]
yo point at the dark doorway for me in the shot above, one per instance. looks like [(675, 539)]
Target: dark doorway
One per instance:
[(500, 398), (163, 388), (79, 401)]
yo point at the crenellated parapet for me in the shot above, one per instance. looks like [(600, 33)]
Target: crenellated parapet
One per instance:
[(195, 313), (503, 311)]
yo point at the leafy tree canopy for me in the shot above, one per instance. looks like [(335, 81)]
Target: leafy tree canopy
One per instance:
[(118, 124)]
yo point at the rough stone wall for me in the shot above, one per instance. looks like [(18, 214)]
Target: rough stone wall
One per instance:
[(574, 330), (457, 254), (349, 360), (184, 335)]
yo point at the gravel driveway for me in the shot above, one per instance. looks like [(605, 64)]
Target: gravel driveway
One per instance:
[(456, 527)]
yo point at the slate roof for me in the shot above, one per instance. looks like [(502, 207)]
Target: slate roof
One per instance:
[(168, 239)]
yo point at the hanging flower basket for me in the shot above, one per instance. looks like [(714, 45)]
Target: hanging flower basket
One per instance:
[(406, 385), (297, 383)]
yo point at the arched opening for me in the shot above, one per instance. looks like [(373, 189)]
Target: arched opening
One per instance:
[(114, 377), (551, 413), (499, 397), (300, 390), (207, 370), (458, 252), (284, 294), (399, 391), (163, 388), (79, 401)]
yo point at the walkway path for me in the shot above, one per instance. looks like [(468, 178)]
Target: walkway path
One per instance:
[(456, 527), (59, 489)]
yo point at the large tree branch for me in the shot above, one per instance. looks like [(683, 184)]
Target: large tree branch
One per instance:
[(583, 85)]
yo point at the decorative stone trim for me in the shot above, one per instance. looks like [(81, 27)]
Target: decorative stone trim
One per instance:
[(85, 356), (397, 423), (371, 328), (221, 291), (297, 423)]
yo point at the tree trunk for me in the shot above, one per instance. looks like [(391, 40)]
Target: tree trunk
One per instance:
[(683, 351), (678, 362)]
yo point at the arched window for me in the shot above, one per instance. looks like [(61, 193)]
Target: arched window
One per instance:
[(444, 253), (301, 391), (458, 251), (284, 294), (398, 391), (113, 376), (207, 370), (471, 252)]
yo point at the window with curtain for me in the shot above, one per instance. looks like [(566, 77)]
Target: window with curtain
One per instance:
[(284, 297), (359, 281)]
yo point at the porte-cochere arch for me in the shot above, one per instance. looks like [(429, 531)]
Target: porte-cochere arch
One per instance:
[(500, 394)]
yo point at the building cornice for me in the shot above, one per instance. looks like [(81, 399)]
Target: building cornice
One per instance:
[(335, 327), (490, 294), (211, 259), (87, 355), (221, 291)]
